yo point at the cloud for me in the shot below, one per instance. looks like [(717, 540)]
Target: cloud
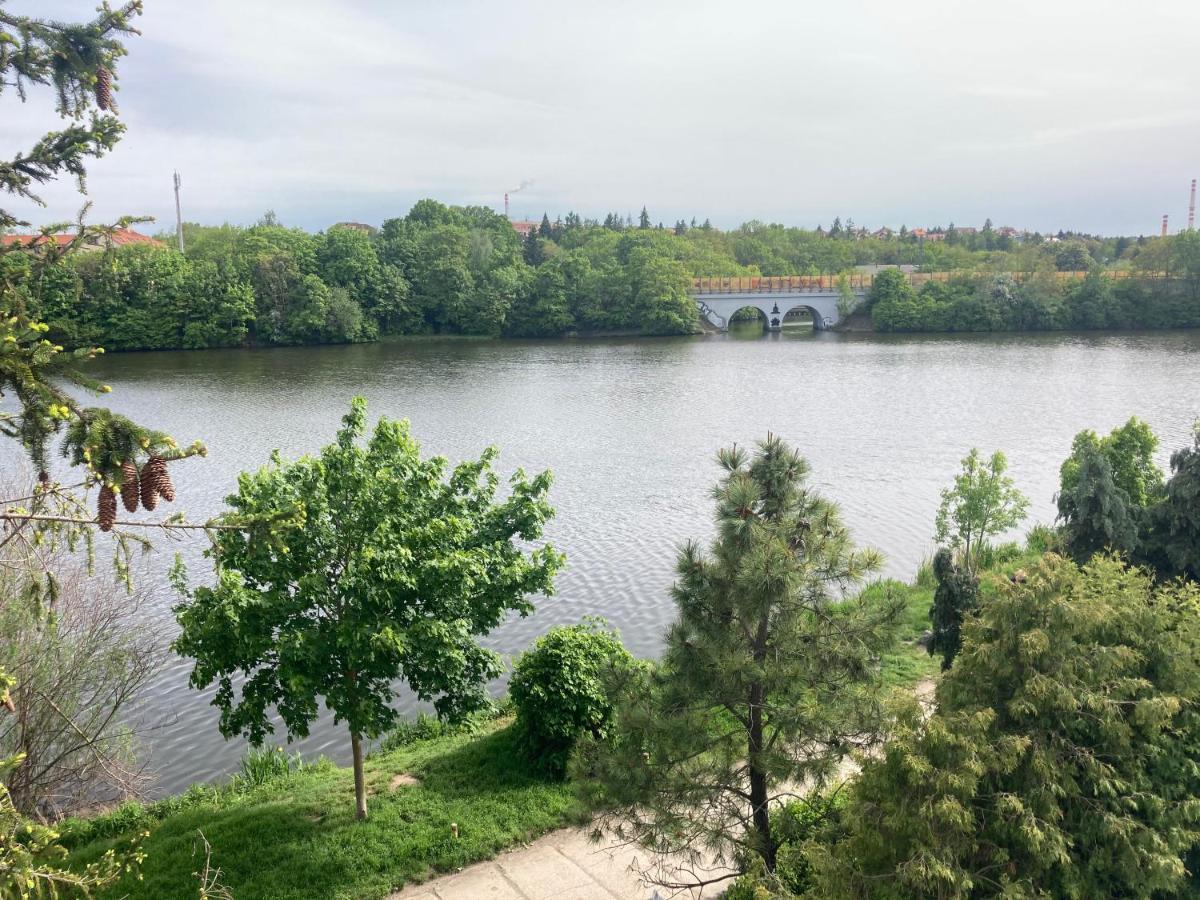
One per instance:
[(768, 109)]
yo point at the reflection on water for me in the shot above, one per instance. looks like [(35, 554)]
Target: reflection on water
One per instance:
[(630, 429)]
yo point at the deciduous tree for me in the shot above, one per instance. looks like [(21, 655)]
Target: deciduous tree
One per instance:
[(984, 502), (390, 569)]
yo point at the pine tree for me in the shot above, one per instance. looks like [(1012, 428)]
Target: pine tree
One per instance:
[(545, 229), (644, 219), (768, 678)]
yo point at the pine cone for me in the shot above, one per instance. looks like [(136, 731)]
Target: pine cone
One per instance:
[(129, 486), (106, 508), (149, 494), (155, 471), (104, 95)]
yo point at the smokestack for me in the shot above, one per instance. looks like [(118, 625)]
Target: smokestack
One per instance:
[(506, 205), (1164, 231), (1192, 207)]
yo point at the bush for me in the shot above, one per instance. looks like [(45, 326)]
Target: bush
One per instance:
[(262, 765), (559, 690)]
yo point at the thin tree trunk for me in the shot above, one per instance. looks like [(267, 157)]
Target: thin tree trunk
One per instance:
[(360, 786), (758, 780)]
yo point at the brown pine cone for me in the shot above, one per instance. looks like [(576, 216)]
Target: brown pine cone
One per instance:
[(106, 508), (155, 471), (149, 494), (129, 485), (104, 94)]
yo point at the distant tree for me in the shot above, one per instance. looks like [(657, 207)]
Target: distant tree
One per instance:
[(1073, 256), (534, 252), (681, 227), (268, 220), (836, 230), (546, 230), (984, 502), (767, 679), (955, 598), (644, 219), (360, 567), (707, 226)]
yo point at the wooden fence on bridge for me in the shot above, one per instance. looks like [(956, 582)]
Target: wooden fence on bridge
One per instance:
[(856, 281)]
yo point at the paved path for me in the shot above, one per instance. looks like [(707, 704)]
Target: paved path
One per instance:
[(567, 865), (562, 865)]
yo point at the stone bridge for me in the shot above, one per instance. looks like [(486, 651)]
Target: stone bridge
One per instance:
[(775, 296), (719, 298)]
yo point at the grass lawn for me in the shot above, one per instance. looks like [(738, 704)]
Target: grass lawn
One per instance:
[(297, 838), (907, 664)]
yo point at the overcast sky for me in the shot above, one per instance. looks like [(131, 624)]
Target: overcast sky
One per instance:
[(1044, 114)]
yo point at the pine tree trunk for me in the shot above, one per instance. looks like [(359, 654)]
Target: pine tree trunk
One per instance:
[(360, 786), (758, 780)]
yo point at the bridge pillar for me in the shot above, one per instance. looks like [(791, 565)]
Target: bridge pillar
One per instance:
[(773, 314)]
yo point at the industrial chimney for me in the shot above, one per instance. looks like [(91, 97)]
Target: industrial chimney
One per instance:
[(506, 201), (1164, 231), (1192, 207)]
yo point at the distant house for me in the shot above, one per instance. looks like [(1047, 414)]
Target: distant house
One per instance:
[(966, 229), (120, 237), (356, 226), (524, 227), (883, 233), (1008, 231)]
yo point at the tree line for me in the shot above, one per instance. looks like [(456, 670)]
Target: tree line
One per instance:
[(450, 270), (1166, 297)]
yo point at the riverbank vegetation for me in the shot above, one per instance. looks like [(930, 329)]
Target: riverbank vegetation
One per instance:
[(465, 271)]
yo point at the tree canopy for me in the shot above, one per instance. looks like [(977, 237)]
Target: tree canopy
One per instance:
[(371, 565)]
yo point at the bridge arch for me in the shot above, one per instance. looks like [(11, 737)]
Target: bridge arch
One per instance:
[(719, 307), (820, 318)]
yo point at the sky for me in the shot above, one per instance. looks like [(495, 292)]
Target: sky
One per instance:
[(1054, 114)]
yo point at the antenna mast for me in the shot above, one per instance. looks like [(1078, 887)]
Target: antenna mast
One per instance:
[(178, 214), (1192, 207)]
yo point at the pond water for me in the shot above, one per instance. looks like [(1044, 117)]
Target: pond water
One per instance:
[(630, 429)]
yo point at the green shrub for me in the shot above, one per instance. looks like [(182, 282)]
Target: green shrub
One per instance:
[(263, 765), (1042, 539), (558, 688)]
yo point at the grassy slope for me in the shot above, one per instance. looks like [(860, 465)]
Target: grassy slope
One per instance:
[(298, 838)]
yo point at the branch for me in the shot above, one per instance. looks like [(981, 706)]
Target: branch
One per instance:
[(165, 526)]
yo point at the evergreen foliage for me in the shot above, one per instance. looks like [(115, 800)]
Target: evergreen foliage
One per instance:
[(372, 565), (1096, 513), (768, 680), (955, 598), (1059, 761), (1173, 524)]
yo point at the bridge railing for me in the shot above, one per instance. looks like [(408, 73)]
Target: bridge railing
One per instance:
[(857, 281)]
